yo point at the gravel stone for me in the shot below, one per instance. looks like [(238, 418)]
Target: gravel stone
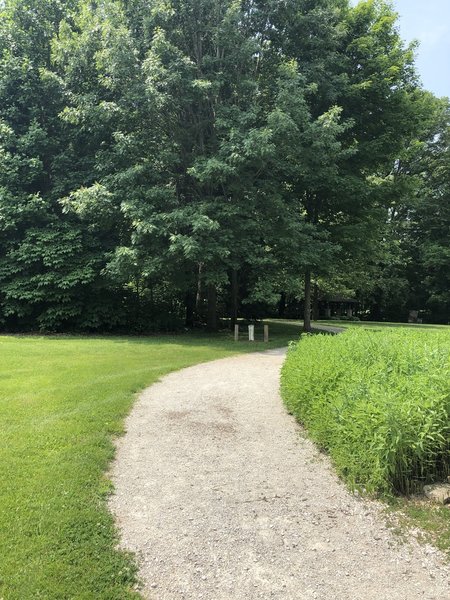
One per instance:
[(221, 496)]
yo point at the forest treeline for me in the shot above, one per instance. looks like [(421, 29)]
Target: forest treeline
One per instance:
[(177, 161)]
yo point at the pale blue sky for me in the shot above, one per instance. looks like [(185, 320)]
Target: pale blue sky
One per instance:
[(428, 21)]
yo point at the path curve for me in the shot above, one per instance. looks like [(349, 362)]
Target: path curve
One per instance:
[(222, 497)]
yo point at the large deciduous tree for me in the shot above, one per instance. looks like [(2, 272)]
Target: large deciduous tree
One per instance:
[(168, 157)]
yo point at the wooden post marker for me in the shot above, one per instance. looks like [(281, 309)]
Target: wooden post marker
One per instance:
[(266, 333), (251, 333), (236, 333)]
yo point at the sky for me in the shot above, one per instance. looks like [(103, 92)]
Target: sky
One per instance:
[(428, 21)]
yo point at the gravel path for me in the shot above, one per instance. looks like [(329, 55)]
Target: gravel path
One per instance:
[(222, 497)]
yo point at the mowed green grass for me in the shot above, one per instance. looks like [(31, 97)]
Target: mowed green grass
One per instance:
[(360, 324), (62, 402), (380, 325)]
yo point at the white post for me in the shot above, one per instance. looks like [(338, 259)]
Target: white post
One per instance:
[(266, 333), (236, 333), (251, 333)]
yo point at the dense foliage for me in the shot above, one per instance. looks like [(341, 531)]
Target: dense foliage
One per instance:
[(378, 402), (170, 162)]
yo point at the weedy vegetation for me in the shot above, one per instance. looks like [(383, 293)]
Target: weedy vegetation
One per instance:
[(377, 402)]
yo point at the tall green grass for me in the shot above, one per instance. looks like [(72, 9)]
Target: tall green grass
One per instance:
[(378, 402)]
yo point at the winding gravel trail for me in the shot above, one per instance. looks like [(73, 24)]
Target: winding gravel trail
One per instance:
[(222, 497)]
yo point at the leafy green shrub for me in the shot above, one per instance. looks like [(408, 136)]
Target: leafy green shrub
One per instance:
[(378, 402)]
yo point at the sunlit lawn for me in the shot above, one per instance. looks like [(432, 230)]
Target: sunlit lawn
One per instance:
[(379, 324), (62, 401), (361, 324)]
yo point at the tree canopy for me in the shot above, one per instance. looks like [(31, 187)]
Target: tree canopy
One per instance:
[(181, 161)]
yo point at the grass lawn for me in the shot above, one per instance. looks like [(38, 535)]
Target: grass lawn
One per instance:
[(62, 401), (379, 325), (360, 324)]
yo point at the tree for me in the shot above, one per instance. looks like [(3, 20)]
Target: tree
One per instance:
[(347, 120), (186, 158), (424, 212)]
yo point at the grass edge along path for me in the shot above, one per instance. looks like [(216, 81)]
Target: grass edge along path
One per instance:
[(63, 400)]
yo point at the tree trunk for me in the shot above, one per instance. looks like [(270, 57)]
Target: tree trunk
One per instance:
[(212, 308), (282, 305), (234, 298), (315, 304), (138, 303), (307, 309), (189, 303), (198, 298)]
